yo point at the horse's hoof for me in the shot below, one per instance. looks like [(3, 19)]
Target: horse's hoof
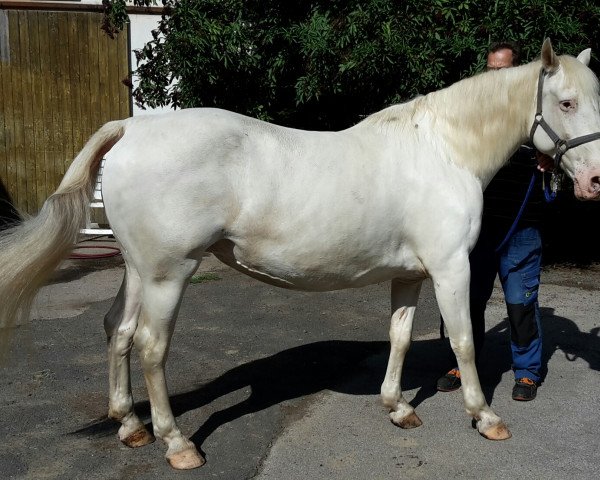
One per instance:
[(412, 420), (186, 459), (497, 432), (139, 438)]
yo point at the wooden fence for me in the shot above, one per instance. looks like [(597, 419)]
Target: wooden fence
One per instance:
[(60, 79)]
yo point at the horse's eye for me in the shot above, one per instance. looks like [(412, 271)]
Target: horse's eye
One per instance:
[(568, 105)]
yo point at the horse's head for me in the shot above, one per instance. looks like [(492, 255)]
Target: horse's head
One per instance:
[(567, 123)]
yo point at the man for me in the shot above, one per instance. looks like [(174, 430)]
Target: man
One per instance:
[(517, 262)]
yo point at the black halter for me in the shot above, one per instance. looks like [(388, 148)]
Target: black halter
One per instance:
[(561, 145)]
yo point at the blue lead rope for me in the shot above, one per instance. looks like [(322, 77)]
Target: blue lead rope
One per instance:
[(518, 217), (549, 195)]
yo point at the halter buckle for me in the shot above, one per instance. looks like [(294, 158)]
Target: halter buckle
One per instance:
[(561, 146)]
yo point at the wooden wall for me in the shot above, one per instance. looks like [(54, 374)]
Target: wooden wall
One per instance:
[(60, 79)]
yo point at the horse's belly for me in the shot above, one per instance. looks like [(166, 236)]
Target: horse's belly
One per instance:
[(319, 273)]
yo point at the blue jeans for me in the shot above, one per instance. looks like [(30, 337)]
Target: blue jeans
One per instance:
[(518, 266)]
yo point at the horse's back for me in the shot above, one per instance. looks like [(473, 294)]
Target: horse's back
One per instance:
[(210, 154)]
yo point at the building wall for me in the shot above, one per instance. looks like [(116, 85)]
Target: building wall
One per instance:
[(61, 78)]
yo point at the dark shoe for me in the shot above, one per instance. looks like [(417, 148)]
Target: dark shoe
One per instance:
[(524, 390), (450, 381)]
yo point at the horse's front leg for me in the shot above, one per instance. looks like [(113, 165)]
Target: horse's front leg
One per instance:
[(404, 302), (161, 300), (120, 324), (452, 293)]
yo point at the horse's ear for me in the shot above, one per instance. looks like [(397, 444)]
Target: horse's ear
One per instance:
[(584, 57), (549, 58)]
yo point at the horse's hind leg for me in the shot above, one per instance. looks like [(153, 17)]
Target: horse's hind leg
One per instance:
[(120, 324), (404, 302), (161, 300)]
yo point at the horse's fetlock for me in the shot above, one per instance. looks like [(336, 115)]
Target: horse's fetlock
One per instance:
[(389, 401), (119, 413)]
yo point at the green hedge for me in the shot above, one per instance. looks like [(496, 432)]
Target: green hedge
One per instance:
[(325, 63)]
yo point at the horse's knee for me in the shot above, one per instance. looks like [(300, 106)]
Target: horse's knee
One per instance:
[(464, 349)]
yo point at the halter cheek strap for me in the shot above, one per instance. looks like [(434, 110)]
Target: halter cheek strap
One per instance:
[(561, 145)]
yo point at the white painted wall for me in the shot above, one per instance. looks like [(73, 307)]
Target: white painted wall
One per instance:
[(141, 33)]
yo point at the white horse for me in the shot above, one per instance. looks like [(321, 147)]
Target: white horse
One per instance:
[(396, 197)]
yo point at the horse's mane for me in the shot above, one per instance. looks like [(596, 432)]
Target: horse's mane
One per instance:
[(455, 101), (397, 114), (472, 117)]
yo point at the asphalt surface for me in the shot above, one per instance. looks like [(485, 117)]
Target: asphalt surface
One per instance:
[(275, 384)]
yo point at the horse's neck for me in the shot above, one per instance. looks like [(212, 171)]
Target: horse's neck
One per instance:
[(485, 118)]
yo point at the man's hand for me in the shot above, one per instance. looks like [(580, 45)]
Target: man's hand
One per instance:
[(545, 163)]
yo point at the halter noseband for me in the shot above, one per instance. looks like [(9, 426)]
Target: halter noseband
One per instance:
[(561, 145)]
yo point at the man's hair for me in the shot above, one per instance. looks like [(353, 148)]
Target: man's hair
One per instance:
[(512, 46)]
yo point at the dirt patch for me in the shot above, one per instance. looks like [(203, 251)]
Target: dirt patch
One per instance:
[(567, 275)]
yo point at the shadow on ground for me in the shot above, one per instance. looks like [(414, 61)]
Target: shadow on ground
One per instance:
[(357, 368)]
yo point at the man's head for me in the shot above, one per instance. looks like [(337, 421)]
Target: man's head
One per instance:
[(503, 55)]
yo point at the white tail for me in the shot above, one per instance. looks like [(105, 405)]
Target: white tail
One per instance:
[(31, 251)]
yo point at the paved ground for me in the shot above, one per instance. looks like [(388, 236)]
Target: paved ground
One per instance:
[(273, 384)]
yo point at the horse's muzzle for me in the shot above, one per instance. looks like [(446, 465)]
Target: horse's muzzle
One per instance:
[(587, 185)]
